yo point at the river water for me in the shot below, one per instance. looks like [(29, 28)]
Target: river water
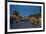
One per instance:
[(23, 24)]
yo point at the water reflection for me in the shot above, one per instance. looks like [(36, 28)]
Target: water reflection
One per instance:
[(23, 24)]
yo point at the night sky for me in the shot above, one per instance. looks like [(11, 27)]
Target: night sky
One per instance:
[(25, 10)]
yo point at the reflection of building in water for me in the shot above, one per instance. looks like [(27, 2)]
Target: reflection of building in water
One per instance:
[(18, 18), (15, 16)]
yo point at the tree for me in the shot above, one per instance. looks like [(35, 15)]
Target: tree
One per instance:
[(15, 13)]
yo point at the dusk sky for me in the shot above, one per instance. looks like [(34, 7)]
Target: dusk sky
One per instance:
[(25, 10)]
